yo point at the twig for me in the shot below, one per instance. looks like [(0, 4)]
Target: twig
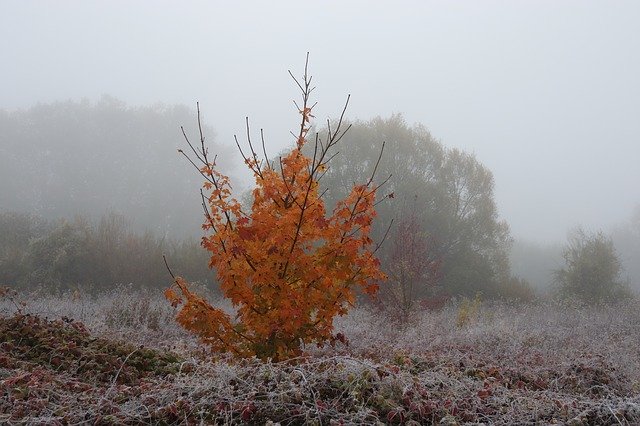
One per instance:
[(167, 265), (115, 379)]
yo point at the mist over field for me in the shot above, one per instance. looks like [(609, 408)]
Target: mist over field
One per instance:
[(544, 94), (432, 212)]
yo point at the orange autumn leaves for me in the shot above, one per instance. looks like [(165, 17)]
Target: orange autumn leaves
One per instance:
[(287, 266)]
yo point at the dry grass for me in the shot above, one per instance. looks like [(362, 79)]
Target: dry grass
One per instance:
[(507, 364)]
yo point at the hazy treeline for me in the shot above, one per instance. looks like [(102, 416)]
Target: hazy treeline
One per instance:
[(451, 196), (537, 262), (92, 256), (77, 160), (68, 158)]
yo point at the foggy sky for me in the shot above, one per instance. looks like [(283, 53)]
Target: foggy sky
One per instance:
[(545, 93)]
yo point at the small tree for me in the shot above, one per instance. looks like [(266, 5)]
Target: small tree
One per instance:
[(287, 267), (593, 270), (412, 267)]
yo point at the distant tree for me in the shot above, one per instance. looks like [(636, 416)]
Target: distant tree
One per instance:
[(61, 159), (592, 269), (412, 268), (455, 202)]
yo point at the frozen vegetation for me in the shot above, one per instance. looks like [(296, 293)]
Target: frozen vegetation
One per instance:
[(121, 358)]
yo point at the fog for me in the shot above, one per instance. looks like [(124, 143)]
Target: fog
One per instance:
[(545, 93)]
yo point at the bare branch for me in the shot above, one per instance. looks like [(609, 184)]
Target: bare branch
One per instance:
[(167, 265), (264, 150), (204, 148), (204, 175), (375, 168), (296, 80), (384, 237), (341, 119), (253, 152), (196, 153)]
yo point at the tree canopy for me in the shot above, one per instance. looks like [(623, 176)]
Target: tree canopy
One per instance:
[(449, 189), (592, 269)]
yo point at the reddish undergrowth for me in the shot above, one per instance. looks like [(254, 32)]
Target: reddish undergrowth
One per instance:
[(550, 363)]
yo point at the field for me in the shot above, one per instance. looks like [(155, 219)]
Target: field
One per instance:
[(120, 358)]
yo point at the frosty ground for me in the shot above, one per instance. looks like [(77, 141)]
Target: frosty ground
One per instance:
[(120, 358)]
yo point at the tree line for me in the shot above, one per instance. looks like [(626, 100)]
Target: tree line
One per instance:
[(64, 159), (92, 256)]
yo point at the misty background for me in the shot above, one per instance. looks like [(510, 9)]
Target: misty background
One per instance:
[(545, 94)]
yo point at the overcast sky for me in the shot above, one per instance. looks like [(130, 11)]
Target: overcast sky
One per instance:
[(545, 93)]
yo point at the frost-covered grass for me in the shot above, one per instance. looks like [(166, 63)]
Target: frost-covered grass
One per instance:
[(504, 364)]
